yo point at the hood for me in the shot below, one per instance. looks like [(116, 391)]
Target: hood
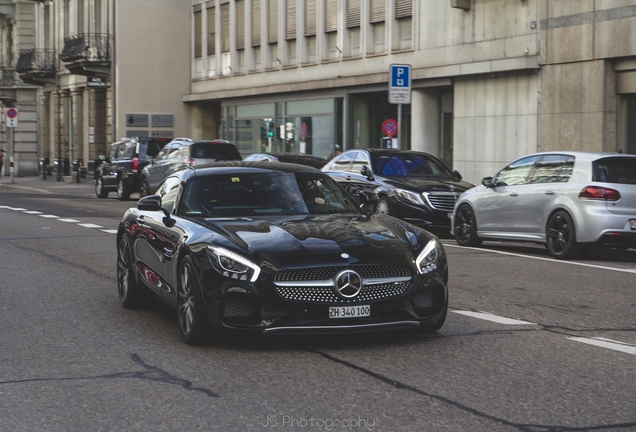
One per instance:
[(422, 184), (314, 241)]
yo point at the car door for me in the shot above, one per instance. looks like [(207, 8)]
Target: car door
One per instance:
[(546, 183), (156, 242), (109, 167), (496, 209)]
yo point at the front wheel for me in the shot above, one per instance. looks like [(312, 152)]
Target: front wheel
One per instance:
[(561, 236), (193, 320), (100, 191), (143, 188), (466, 227), (127, 287)]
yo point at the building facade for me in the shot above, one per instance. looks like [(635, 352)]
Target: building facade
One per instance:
[(105, 69), (491, 80)]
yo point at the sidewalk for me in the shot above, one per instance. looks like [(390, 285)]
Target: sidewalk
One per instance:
[(50, 185)]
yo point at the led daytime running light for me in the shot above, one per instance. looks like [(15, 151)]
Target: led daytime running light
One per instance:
[(220, 255), (427, 260)]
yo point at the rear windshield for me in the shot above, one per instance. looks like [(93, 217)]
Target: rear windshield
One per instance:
[(615, 170), (218, 152)]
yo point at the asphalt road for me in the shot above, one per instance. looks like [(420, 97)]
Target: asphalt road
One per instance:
[(531, 344)]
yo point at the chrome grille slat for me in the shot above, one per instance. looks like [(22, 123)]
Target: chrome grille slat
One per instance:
[(444, 201)]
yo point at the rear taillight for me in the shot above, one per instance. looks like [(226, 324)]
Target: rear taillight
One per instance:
[(599, 193), (134, 164), (190, 161)]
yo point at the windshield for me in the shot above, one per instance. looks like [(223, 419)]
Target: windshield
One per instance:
[(264, 193), (409, 165)]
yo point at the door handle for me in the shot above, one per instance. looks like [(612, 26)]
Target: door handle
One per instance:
[(514, 194), (550, 193), (141, 220)]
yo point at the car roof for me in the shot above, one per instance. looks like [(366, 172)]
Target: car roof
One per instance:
[(234, 166), (582, 155)]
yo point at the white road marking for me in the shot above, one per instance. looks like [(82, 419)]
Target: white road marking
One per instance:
[(89, 225), (545, 259), (49, 216), (15, 208), (494, 318), (33, 212), (109, 231), (607, 343), (68, 220)]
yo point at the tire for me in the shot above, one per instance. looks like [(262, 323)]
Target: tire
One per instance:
[(143, 188), (561, 236), (123, 190), (193, 321), (130, 292), (100, 191), (466, 227), (383, 206)]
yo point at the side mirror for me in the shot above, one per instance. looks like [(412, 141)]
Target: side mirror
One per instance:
[(149, 203), (365, 171), (457, 175), (367, 198), (487, 181)]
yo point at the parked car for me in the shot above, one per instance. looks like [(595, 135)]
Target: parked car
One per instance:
[(120, 170), (413, 186), (181, 153), (298, 158), (275, 248), (565, 200)]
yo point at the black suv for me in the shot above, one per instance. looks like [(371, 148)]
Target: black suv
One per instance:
[(121, 169)]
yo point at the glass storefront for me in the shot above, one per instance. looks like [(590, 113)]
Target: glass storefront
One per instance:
[(308, 126)]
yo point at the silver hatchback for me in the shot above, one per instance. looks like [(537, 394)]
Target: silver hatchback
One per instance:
[(565, 200)]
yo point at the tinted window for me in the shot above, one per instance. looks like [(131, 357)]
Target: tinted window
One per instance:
[(151, 148), (409, 165), (552, 169), (615, 170), (264, 193), (168, 191), (217, 152), (516, 173)]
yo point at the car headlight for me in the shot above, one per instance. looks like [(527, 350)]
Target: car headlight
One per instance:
[(232, 265), (427, 259), (412, 197)]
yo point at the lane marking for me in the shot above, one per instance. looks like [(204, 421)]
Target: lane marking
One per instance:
[(89, 225), (109, 231), (68, 220), (49, 216), (494, 318), (552, 260), (607, 343), (33, 212), (15, 208)]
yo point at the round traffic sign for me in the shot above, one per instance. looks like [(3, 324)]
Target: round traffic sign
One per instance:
[(12, 113), (389, 127)]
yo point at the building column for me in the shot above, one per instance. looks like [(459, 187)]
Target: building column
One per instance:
[(425, 122)]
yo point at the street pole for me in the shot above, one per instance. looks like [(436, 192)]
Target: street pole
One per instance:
[(399, 122), (11, 155), (59, 134)]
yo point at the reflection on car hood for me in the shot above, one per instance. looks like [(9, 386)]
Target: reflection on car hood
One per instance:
[(423, 184), (324, 240)]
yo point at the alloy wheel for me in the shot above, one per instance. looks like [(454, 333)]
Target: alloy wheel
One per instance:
[(185, 299), (561, 237), (465, 227), (123, 270)]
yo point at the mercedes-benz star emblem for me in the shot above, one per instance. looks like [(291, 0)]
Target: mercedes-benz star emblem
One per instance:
[(348, 283)]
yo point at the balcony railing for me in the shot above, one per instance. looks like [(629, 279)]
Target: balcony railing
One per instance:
[(36, 61), (8, 76), (86, 47)]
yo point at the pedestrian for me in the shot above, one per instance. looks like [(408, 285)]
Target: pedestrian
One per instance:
[(1, 161)]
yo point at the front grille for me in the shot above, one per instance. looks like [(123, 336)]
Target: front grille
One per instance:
[(324, 273), (325, 294), (444, 201), (427, 302), (241, 308)]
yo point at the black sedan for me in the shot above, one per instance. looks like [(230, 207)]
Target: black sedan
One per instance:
[(413, 186), (276, 248)]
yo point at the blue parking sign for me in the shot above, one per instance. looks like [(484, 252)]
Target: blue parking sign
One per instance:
[(400, 84)]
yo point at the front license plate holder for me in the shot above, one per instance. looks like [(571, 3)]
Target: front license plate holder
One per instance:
[(349, 311), (632, 224)]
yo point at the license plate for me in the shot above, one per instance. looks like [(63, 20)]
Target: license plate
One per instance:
[(349, 311), (632, 224)]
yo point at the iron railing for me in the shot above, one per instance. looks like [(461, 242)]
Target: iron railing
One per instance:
[(92, 47), (8, 76), (38, 60)]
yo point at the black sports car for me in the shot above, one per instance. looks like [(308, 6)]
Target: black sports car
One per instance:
[(413, 186), (277, 248)]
